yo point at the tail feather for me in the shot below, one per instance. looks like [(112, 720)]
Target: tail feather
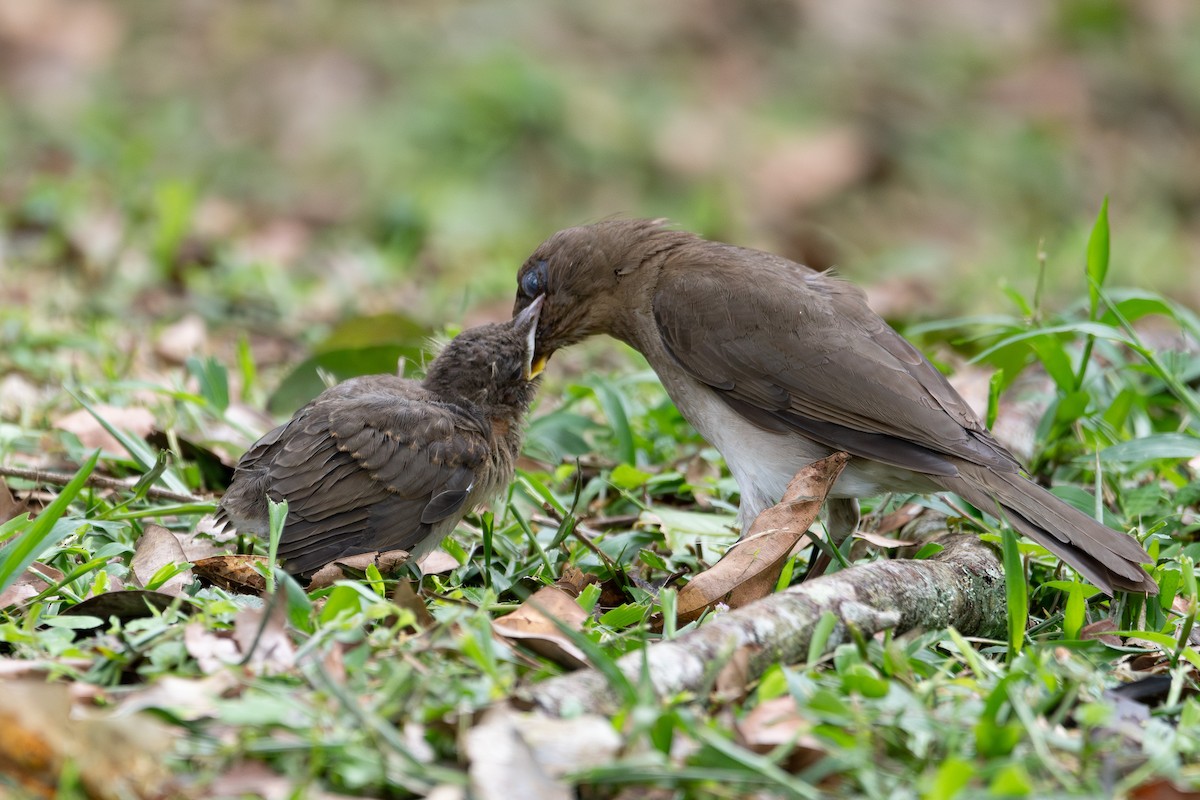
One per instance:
[(1108, 558)]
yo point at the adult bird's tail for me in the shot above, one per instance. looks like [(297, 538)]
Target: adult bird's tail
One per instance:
[(1108, 558)]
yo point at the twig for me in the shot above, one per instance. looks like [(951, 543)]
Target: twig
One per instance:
[(97, 481)]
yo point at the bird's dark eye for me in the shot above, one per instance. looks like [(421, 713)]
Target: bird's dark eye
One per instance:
[(533, 282)]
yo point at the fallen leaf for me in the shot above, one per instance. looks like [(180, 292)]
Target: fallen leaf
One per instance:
[(187, 699), (113, 757), (200, 544), (751, 568), (12, 668), (533, 622), (232, 573), (157, 547), (10, 506), (701, 473), (1182, 606), (131, 419), (212, 650), (437, 562), (778, 722), (683, 528), (562, 746), (503, 765), (1162, 789), (127, 605), (1101, 629), (355, 566), (256, 779), (32, 582), (406, 597), (261, 635), (809, 169), (734, 676), (182, 339), (882, 541), (898, 518)]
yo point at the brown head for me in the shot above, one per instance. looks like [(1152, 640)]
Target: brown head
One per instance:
[(490, 365), (590, 277)]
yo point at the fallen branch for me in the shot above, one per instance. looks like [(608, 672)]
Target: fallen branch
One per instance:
[(961, 586), (98, 482)]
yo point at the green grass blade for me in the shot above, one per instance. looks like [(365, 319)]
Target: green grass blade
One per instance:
[(17, 555), (1016, 592), (1097, 257)]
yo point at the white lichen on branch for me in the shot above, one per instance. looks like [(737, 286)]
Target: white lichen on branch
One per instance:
[(961, 586)]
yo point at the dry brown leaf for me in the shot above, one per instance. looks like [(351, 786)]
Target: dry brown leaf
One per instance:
[(127, 604), (809, 169), (751, 568), (131, 419), (183, 698), (232, 573), (503, 764), (10, 507), (213, 651), (1101, 629), (256, 779), (32, 582), (406, 597), (1162, 789), (734, 676), (261, 634), (437, 562), (157, 548), (354, 566), (699, 470), (198, 544), (898, 518), (531, 623), (1182, 606), (114, 757), (562, 746), (778, 722), (13, 668), (182, 339), (882, 541)]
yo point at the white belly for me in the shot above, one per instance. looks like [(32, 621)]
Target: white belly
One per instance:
[(763, 462)]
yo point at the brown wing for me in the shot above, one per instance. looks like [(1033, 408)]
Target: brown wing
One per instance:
[(370, 465), (793, 350)]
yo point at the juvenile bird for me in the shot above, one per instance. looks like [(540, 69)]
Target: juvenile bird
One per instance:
[(778, 365), (383, 463)]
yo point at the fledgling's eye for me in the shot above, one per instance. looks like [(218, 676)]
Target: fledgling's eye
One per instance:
[(533, 282)]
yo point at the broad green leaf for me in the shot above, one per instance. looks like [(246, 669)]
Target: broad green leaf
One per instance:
[(304, 382), (1094, 329), (627, 477), (617, 411), (1150, 448), (213, 380), (995, 385), (1073, 614)]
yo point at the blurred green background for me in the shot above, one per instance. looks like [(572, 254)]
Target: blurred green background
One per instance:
[(281, 165)]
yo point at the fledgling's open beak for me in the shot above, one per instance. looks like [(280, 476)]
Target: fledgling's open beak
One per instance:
[(529, 316)]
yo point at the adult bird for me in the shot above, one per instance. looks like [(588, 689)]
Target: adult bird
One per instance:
[(778, 365), (386, 463)]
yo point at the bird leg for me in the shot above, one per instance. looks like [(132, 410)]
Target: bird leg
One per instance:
[(841, 521)]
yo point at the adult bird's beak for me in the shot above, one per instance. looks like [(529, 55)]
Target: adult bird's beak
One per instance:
[(529, 316)]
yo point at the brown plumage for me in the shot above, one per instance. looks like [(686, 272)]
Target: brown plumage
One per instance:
[(385, 463), (778, 365)]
